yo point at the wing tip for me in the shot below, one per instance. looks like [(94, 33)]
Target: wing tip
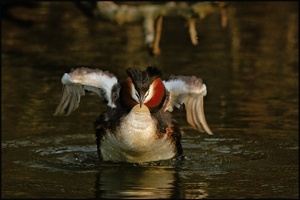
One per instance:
[(209, 132)]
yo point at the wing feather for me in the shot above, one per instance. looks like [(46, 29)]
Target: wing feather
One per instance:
[(189, 113), (196, 117), (190, 91), (76, 82)]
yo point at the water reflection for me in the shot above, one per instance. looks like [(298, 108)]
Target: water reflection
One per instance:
[(112, 180), (265, 69), (250, 69), (132, 182), (138, 182)]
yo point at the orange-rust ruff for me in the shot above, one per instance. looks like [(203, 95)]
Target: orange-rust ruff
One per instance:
[(138, 126)]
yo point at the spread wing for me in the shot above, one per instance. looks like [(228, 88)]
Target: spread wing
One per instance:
[(76, 82), (188, 90)]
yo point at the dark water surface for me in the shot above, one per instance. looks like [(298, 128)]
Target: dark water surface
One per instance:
[(251, 72)]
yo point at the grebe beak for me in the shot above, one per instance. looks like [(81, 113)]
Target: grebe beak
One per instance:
[(141, 100)]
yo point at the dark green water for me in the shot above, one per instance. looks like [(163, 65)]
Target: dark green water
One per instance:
[(251, 72)]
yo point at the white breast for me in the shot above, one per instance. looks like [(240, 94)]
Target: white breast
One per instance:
[(136, 140)]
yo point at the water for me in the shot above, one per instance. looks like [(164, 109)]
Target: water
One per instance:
[(251, 71)]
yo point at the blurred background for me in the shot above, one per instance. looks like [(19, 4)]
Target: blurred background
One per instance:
[(245, 52)]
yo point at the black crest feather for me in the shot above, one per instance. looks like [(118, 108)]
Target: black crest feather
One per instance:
[(143, 79)]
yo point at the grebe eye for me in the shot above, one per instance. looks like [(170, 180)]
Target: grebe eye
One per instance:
[(147, 93), (136, 94)]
